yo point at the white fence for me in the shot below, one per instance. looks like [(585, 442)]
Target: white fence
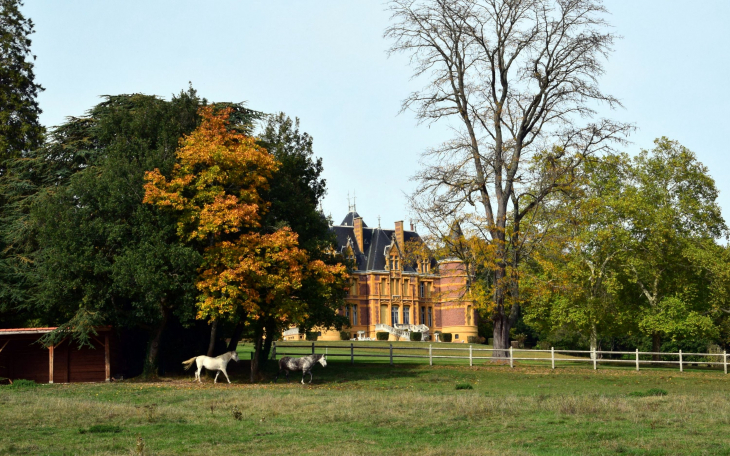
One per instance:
[(440, 351)]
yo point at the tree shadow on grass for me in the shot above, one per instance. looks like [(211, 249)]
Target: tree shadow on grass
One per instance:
[(335, 372)]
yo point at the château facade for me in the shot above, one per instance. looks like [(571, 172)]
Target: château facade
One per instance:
[(390, 293)]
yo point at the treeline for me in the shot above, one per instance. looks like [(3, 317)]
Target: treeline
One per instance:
[(175, 221), (631, 254)]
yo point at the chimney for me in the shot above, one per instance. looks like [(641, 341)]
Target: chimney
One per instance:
[(412, 227), (358, 233), (399, 235)]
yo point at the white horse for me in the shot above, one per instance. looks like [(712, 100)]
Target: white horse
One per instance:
[(218, 363)]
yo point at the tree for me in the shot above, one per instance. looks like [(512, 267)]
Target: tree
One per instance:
[(295, 193), (673, 218), (86, 250), (573, 279), (518, 78), (20, 130), (216, 190)]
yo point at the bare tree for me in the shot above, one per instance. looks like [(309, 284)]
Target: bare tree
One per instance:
[(519, 79)]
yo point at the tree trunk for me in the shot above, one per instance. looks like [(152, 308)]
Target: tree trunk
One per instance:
[(656, 345), (233, 344), (270, 328), (257, 345), (153, 350), (502, 323), (213, 331)]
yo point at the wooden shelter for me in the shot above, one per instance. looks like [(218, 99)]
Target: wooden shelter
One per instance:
[(23, 357)]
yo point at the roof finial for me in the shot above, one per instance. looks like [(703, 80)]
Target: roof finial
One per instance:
[(378, 222), (354, 201), (349, 206)]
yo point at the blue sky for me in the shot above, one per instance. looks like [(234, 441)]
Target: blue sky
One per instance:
[(325, 62)]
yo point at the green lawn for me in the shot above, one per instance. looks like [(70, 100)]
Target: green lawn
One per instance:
[(376, 409)]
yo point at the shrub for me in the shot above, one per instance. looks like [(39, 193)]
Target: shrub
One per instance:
[(345, 335), (464, 386), (416, 336), (382, 335), (446, 337), (472, 339), (312, 336)]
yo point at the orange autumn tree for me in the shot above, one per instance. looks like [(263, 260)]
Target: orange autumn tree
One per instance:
[(216, 190)]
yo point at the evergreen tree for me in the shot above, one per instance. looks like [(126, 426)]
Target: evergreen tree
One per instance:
[(20, 130)]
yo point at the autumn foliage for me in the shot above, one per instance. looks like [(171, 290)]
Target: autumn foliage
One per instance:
[(216, 189)]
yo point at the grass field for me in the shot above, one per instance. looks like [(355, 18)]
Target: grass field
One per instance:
[(376, 409)]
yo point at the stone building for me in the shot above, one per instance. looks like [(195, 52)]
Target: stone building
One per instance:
[(391, 294)]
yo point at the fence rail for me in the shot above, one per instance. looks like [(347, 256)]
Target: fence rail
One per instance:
[(593, 356)]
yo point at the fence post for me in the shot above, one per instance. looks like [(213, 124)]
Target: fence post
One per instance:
[(552, 356), (680, 361), (274, 344), (352, 353), (391, 354), (637, 360), (511, 362), (312, 347), (430, 356), (470, 358), (594, 358), (724, 360)]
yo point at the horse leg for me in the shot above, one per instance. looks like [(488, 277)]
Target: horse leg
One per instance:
[(226, 374), (304, 373), (310, 376), (215, 380)]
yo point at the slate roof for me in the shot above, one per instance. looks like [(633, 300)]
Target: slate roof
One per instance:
[(375, 240)]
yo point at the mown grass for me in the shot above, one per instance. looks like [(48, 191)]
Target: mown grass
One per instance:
[(376, 409)]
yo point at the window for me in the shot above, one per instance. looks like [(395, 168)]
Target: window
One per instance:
[(456, 336), (396, 286), (423, 315), (396, 264), (406, 315), (347, 312), (382, 287), (353, 288), (391, 262), (422, 290), (354, 315), (468, 315), (430, 319), (405, 288), (394, 315)]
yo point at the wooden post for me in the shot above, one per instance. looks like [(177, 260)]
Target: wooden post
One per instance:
[(470, 358), (352, 353), (430, 355), (50, 364), (594, 358), (680, 361), (637, 360), (107, 362), (391, 354), (724, 360), (312, 347), (552, 356), (511, 361), (274, 344)]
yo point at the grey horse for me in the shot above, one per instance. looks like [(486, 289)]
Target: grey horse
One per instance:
[(304, 364)]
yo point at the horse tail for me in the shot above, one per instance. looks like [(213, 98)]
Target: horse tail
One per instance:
[(189, 362)]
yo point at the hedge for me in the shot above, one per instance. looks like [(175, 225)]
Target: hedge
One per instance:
[(312, 336), (382, 335), (472, 339), (345, 335), (416, 336), (446, 337)]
